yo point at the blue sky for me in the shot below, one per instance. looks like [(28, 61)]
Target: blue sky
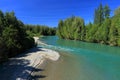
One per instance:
[(49, 12)]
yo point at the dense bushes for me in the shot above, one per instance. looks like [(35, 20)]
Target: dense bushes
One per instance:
[(13, 37), (105, 29)]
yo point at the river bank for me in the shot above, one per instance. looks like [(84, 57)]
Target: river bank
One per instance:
[(22, 66)]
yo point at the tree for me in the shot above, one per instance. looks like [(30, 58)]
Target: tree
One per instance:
[(104, 31), (1, 22), (3, 51), (13, 37), (71, 28), (88, 28), (115, 31), (117, 11), (99, 15), (38, 30), (106, 11), (10, 36), (96, 17)]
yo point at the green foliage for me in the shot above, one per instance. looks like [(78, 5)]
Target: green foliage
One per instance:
[(115, 31), (88, 32), (106, 11), (3, 51), (103, 32), (1, 22), (71, 28), (38, 30), (117, 11), (59, 32), (99, 15), (10, 36), (13, 37)]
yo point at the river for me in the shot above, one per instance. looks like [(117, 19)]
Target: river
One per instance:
[(81, 60)]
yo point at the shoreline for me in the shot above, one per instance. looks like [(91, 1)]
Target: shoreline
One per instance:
[(46, 55), (22, 66), (37, 41)]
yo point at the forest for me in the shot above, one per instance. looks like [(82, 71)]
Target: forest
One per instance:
[(39, 30), (17, 37), (105, 29)]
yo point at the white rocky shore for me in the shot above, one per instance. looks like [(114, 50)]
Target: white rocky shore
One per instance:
[(36, 57), (21, 67), (47, 53)]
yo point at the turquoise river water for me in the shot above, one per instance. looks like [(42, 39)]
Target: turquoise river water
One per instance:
[(82, 61)]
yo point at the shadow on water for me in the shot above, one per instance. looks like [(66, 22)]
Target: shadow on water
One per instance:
[(18, 68)]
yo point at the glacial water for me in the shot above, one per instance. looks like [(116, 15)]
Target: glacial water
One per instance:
[(81, 60)]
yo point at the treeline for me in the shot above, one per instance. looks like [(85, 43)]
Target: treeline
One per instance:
[(104, 29), (38, 30), (13, 37)]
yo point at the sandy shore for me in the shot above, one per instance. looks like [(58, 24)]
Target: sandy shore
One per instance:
[(37, 41), (21, 67), (47, 53)]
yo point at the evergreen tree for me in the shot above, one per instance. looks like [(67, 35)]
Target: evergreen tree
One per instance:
[(60, 29), (117, 11), (38, 30), (99, 15), (115, 31), (106, 11), (1, 22), (71, 28), (13, 37)]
